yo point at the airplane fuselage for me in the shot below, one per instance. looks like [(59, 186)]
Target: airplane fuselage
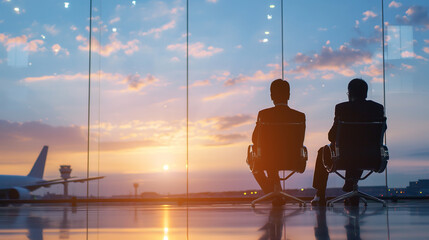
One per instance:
[(11, 181)]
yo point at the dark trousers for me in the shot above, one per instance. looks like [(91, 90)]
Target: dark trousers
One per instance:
[(267, 181), (320, 177)]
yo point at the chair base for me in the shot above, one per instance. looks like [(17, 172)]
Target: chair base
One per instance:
[(275, 194), (355, 193)]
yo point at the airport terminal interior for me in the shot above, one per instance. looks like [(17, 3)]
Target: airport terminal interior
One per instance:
[(134, 118)]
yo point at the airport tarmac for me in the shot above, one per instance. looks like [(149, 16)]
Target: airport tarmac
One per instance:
[(401, 220)]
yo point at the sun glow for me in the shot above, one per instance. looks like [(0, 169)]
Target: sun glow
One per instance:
[(165, 167)]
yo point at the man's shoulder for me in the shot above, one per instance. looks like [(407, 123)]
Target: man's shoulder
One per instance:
[(375, 104), (275, 113), (350, 104), (297, 113), (266, 111)]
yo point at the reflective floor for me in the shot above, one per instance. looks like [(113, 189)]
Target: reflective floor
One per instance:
[(403, 220)]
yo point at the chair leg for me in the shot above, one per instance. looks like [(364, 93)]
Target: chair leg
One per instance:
[(263, 198), (355, 193), (367, 196), (365, 202), (301, 202), (339, 198), (277, 194)]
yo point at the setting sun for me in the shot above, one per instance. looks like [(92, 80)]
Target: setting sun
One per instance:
[(165, 167)]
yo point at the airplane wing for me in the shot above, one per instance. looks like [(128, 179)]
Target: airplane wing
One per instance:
[(33, 187)]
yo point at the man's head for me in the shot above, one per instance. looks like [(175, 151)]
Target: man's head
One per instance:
[(280, 91), (358, 89)]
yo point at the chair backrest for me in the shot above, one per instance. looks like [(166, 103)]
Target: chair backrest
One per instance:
[(359, 145), (280, 146)]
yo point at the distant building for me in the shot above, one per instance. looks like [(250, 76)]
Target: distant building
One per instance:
[(418, 188)]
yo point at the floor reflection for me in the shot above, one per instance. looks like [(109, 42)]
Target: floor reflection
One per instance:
[(214, 222)]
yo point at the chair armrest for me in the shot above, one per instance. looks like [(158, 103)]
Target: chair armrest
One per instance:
[(329, 155), (251, 158), (384, 158), (304, 153)]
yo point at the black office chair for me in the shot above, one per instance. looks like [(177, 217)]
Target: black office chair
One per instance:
[(358, 146), (280, 147)]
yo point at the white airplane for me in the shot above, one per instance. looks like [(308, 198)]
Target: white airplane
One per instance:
[(20, 187)]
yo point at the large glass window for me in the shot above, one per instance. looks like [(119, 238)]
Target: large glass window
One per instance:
[(232, 61), (139, 101), (407, 54), (322, 55), (137, 81), (44, 87)]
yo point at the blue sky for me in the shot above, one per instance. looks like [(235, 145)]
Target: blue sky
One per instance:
[(138, 104)]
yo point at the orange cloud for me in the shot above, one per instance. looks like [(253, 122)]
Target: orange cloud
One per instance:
[(395, 4), (328, 76), (231, 92), (114, 46), (199, 83), (157, 31), (338, 61), (258, 76), (197, 50), (134, 81), (368, 14), (228, 122), (406, 66), (426, 50), (56, 48), (415, 15), (22, 41), (408, 54), (114, 20)]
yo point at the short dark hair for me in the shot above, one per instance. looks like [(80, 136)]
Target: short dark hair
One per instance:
[(358, 88), (280, 90)]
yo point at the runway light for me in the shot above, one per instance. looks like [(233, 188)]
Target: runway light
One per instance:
[(251, 192), (421, 192), (16, 10), (272, 6), (66, 4), (244, 193), (265, 40), (302, 189), (269, 17), (114, 29), (267, 33), (256, 192), (43, 36), (133, 2)]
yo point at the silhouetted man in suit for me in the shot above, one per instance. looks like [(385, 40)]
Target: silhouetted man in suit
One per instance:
[(281, 112), (357, 109)]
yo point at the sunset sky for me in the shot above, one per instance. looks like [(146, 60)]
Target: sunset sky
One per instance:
[(138, 88)]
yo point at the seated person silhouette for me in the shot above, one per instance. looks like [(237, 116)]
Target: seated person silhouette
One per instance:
[(357, 109), (281, 112)]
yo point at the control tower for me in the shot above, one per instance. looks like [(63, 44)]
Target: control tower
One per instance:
[(65, 171)]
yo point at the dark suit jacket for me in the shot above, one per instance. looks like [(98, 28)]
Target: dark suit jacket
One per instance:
[(356, 111), (279, 113)]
